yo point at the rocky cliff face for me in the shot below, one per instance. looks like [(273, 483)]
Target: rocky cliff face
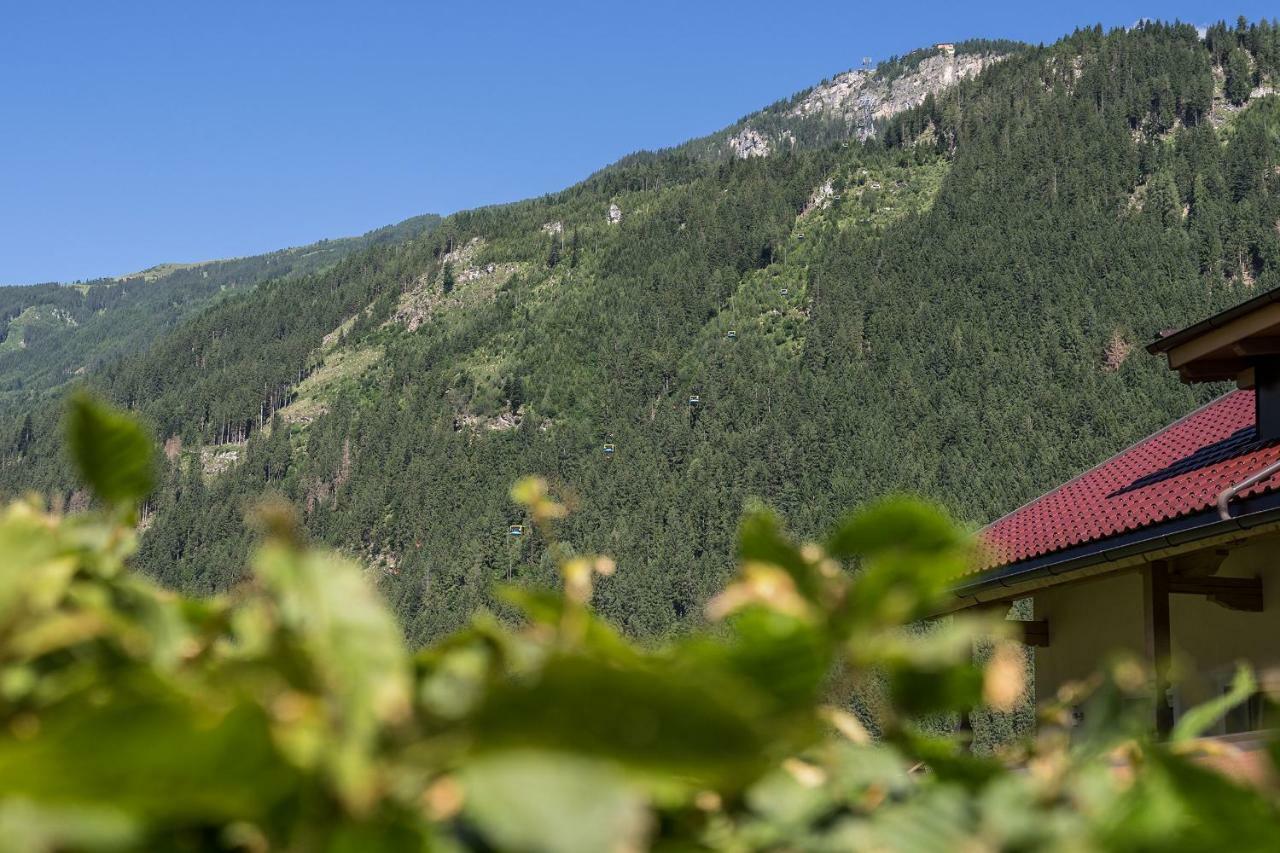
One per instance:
[(749, 142), (861, 98), (843, 94)]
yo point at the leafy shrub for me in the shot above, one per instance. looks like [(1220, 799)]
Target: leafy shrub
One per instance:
[(288, 714)]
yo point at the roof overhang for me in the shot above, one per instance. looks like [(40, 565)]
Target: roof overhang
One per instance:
[(1255, 517), (1225, 347), (1241, 344)]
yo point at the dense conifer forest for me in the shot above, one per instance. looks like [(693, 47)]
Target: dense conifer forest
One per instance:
[(952, 309)]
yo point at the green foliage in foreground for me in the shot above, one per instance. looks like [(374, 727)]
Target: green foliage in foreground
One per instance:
[(288, 714)]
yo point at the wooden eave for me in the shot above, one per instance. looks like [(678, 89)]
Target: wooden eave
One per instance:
[(1227, 346)]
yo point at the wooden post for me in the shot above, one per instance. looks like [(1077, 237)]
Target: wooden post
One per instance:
[(1155, 609)]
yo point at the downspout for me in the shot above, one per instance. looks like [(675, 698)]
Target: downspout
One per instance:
[(1224, 511)]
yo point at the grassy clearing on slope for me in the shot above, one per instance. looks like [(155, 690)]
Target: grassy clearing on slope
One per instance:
[(773, 303), (880, 195), (35, 316), (340, 368), (160, 271), (474, 280)]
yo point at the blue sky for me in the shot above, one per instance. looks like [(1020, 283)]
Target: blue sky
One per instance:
[(134, 133)]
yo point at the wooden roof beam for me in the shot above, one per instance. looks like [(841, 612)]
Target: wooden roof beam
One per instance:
[(1216, 370), (1232, 593), (1257, 346)]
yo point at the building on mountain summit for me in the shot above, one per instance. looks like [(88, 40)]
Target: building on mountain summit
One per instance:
[(1171, 548)]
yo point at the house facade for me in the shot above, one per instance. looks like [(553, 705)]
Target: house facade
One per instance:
[(1171, 548)]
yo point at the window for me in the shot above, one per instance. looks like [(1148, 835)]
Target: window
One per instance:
[(1245, 717)]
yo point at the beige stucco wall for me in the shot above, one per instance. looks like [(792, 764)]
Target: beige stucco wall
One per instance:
[(1208, 639), (1088, 622), (1091, 619)]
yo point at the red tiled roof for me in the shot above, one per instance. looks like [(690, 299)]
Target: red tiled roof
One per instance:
[(1179, 471)]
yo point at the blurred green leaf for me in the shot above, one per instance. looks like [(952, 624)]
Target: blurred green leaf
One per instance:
[(938, 820), (908, 554), (877, 766), (919, 691), (37, 568), (454, 682), (760, 539), (1177, 805), (946, 758), (783, 800), (355, 649), (1011, 818), (894, 524), (930, 645), (1113, 712), (1197, 720), (685, 723), (289, 715), (145, 751), (379, 836), (547, 608), (30, 827), (112, 453), (547, 802), (785, 659)]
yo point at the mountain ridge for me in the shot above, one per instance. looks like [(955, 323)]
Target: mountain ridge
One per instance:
[(101, 314), (949, 308)]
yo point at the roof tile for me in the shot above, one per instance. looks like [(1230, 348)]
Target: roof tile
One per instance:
[(1179, 471)]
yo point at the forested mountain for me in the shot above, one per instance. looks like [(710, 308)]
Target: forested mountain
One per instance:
[(51, 333), (947, 307)]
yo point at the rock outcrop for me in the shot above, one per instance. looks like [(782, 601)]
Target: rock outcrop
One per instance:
[(472, 280), (749, 142), (861, 98), (853, 93), (501, 422), (820, 199)]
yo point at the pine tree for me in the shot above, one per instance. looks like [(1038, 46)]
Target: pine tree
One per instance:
[(1162, 202), (26, 436), (1239, 77)]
